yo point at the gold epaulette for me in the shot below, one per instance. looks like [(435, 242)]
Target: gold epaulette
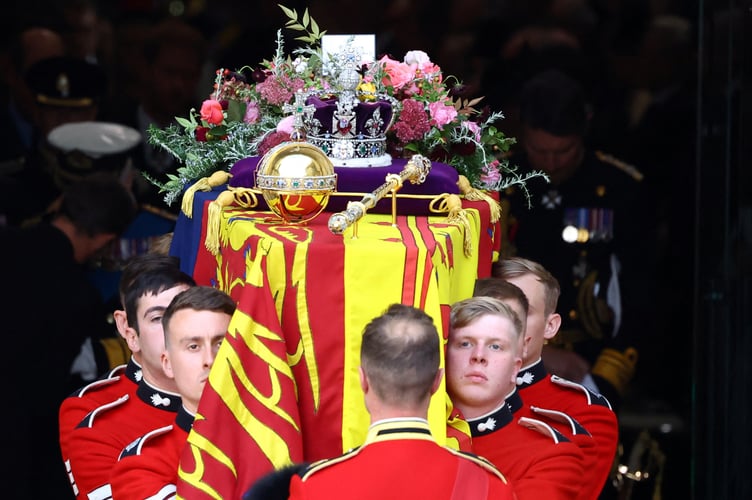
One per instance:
[(626, 167)]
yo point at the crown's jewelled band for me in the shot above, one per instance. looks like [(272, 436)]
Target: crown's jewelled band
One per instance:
[(343, 149)]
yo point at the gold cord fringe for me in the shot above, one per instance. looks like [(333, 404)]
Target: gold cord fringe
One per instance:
[(214, 212), (452, 204), (474, 194), (204, 184)]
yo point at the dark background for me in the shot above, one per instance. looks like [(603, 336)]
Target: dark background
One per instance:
[(692, 396)]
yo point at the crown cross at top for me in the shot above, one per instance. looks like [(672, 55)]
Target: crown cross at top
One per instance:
[(299, 109)]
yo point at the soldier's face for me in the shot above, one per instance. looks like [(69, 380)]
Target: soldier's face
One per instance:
[(193, 338), (558, 156), (150, 310), (537, 320), (482, 364)]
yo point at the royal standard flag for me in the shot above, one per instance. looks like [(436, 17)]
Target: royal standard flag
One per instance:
[(284, 386)]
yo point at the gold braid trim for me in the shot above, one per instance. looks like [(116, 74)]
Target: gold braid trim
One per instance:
[(474, 194), (204, 184), (616, 367)]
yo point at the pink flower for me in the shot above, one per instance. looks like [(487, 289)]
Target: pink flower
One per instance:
[(398, 74), (252, 113), (491, 174), (211, 112), (441, 114), (473, 127), (285, 125)]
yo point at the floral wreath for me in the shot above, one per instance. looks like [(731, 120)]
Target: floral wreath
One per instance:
[(247, 114)]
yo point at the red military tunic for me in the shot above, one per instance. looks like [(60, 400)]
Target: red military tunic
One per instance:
[(148, 467), (538, 460), (401, 460), (95, 445), (118, 382), (593, 411)]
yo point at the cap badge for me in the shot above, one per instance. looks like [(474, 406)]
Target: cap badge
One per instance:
[(62, 84)]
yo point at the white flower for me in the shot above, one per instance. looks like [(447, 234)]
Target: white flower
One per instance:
[(417, 58), (300, 65)]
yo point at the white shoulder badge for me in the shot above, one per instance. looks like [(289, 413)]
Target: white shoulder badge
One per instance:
[(621, 165), (593, 398), (543, 428)]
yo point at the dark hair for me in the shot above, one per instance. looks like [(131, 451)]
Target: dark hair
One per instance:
[(554, 102), (149, 274), (400, 354), (143, 263), (98, 204), (198, 298)]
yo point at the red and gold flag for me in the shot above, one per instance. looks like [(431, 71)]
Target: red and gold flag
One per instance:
[(284, 387)]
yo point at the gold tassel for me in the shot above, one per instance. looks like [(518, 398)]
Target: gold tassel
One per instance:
[(452, 204), (214, 212), (204, 184), (474, 194)]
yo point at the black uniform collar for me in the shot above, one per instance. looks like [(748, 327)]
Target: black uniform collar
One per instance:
[(496, 419), (133, 371), (531, 374), (184, 419), (158, 398)]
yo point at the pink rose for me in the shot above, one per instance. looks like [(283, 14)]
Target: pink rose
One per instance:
[(285, 125), (491, 175), (252, 113), (398, 74), (211, 112), (441, 114)]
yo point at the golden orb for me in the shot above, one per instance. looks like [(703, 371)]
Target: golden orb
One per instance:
[(296, 179)]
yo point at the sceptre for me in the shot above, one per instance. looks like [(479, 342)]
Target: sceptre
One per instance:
[(415, 171)]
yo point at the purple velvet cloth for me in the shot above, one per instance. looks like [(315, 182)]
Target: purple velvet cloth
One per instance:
[(442, 178), (324, 112)]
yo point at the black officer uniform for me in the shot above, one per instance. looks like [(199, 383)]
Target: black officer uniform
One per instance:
[(593, 233)]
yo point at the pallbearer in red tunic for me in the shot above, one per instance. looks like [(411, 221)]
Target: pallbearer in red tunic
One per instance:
[(163, 272), (96, 442), (541, 389), (117, 382), (194, 324), (483, 357), (399, 371)]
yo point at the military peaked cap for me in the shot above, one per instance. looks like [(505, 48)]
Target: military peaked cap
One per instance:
[(66, 81)]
